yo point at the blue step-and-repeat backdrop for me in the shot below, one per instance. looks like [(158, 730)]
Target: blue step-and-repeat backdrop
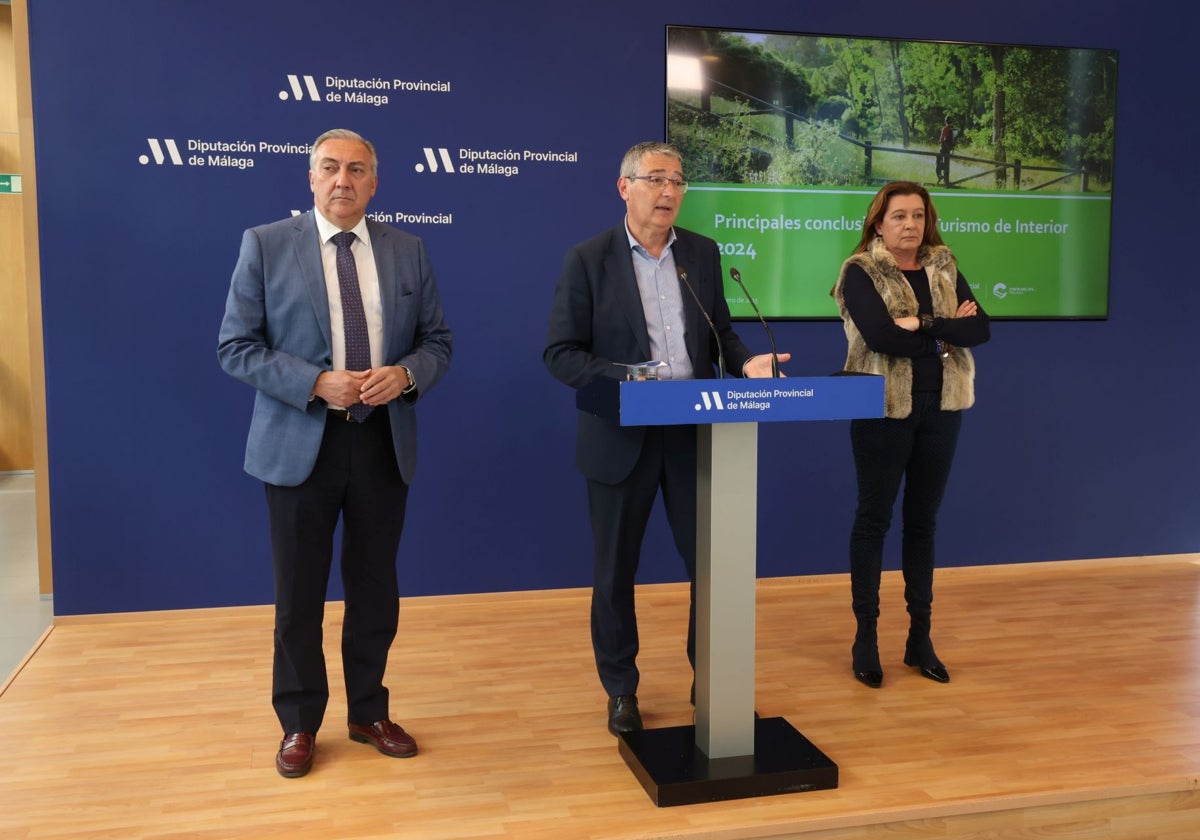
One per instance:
[(165, 129)]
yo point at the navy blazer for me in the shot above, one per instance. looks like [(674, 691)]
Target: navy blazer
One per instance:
[(597, 321), (276, 337)]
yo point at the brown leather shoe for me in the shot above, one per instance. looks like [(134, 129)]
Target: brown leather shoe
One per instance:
[(295, 755), (387, 737)]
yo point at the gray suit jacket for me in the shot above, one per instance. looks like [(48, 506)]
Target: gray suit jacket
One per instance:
[(597, 319), (275, 337)]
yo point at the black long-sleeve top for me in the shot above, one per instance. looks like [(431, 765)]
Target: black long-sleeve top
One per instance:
[(881, 334)]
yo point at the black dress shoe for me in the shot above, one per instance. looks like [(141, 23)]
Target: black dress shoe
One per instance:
[(623, 714), (871, 679)]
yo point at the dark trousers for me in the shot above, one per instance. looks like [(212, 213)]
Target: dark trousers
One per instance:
[(619, 513), (918, 450), (942, 164), (356, 479)]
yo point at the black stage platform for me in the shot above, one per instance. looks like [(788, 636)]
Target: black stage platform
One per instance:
[(674, 771)]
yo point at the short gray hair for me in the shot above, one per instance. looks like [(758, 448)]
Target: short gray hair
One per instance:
[(633, 158), (343, 134)]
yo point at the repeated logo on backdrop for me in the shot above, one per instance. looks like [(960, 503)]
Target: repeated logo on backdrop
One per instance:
[(506, 162), (227, 154), (338, 89), (156, 149), (333, 92)]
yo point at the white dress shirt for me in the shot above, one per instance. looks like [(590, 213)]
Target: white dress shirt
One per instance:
[(368, 286)]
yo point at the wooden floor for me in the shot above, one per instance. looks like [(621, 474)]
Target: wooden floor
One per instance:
[(1074, 711)]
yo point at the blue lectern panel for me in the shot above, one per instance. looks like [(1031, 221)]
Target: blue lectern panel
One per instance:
[(674, 402)]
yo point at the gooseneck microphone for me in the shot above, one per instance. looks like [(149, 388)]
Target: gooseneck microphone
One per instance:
[(683, 278), (733, 272)]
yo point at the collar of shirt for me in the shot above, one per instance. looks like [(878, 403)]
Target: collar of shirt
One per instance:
[(326, 229), (637, 246)]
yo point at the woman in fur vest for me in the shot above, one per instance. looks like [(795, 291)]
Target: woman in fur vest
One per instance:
[(909, 316)]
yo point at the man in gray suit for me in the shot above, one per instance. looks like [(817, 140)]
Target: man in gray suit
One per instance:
[(336, 321), (644, 290)]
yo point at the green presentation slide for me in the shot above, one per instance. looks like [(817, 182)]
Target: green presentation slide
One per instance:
[(1024, 255), (786, 137)]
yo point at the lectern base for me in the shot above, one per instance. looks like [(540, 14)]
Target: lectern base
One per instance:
[(674, 771)]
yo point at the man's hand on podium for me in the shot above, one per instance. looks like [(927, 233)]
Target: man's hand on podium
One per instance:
[(759, 367)]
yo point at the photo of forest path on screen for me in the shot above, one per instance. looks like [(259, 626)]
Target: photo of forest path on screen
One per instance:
[(786, 137)]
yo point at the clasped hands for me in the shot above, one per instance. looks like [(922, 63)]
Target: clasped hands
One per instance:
[(344, 388)]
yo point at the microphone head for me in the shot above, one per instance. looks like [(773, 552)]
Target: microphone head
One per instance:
[(735, 274), (682, 272)]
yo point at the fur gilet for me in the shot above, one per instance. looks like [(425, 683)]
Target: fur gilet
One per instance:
[(958, 369)]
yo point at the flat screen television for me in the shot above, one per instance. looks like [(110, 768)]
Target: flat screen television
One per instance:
[(787, 136)]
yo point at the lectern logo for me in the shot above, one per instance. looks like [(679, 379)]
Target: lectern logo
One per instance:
[(431, 160), (299, 93), (156, 149), (712, 401)]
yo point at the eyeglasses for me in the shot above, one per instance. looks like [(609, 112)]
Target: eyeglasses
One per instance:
[(659, 182)]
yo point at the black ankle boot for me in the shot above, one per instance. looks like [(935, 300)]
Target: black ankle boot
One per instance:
[(919, 653), (865, 654)]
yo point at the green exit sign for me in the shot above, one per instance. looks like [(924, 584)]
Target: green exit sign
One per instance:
[(10, 183)]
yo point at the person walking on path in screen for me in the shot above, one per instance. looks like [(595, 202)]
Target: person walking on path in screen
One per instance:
[(945, 146), (910, 317), (644, 290), (336, 321)]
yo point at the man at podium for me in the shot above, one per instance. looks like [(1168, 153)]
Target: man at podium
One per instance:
[(644, 294)]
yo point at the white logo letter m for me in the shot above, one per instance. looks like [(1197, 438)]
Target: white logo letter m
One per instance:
[(447, 164), (157, 151), (298, 92)]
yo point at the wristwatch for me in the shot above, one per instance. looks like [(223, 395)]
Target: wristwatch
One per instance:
[(926, 322)]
